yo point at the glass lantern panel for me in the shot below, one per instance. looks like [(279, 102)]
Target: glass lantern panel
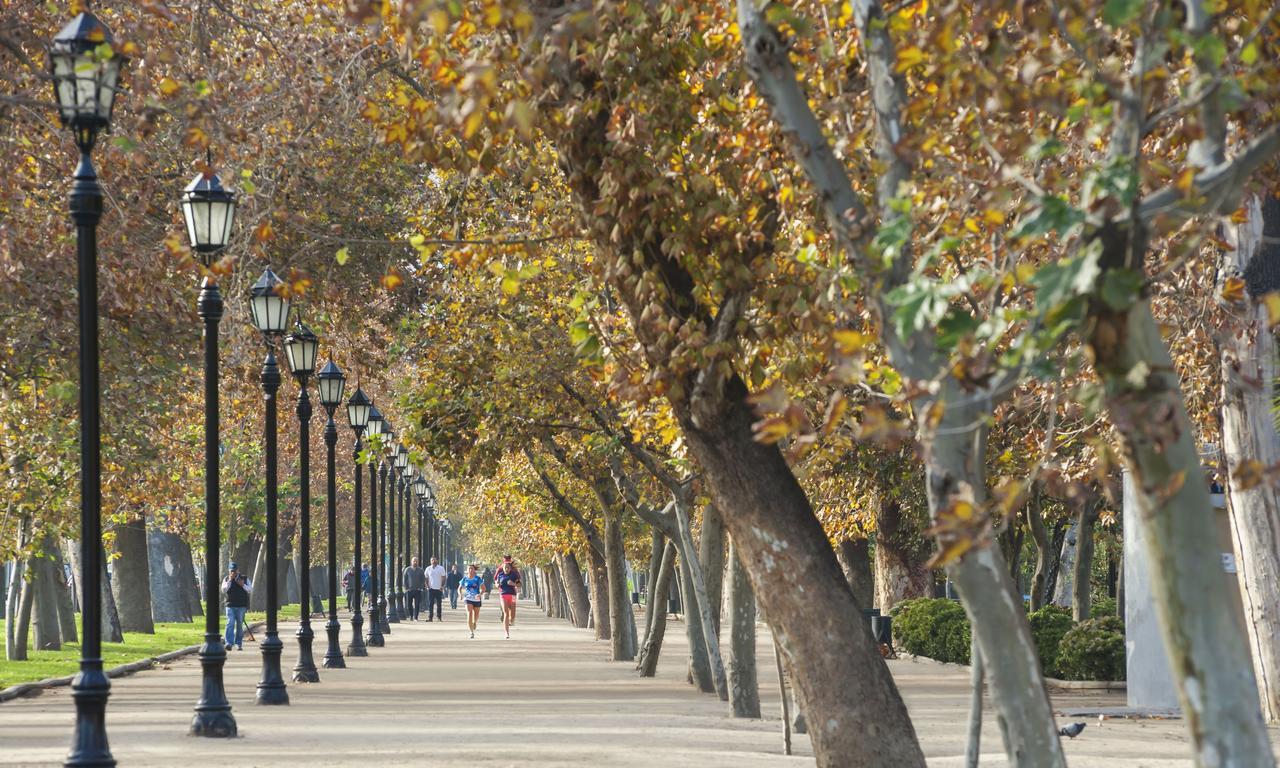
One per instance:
[(107, 88)]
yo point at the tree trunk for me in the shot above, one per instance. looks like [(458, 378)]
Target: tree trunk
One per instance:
[(169, 581), (66, 606), (1064, 591), (599, 574), (1208, 653), (22, 625), (973, 747), (195, 604), (855, 560), (658, 544), (1249, 435), (744, 688), (112, 632), (1058, 535), (131, 579), (258, 595), (659, 588), (701, 602), (46, 630), (16, 624), (900, 560), (699, 664), (1034, 512), (621, 648), (575, 590), (711, 557), (1088, 516)]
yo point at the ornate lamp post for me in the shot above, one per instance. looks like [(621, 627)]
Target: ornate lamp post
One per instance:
[(85, 72), (374, 637), (209, 210), (358, 415), (270, 312), (300, 347), (330, 382), (394, 610)]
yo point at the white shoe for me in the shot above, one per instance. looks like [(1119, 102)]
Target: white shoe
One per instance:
[(473, 635)]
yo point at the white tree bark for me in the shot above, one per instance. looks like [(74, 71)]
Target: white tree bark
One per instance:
[(1249, 371)]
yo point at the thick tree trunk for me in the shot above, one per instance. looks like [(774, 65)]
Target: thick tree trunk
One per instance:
[(195, 606), (1035, 523), (658, 591), (22, 622), (258, 595), (169, 580), (575, 590), (1058, 534), (1250, 371), (855, 560), (46, 630), (599, 573), (711, 557), (744, 687), (12, 599), (1083, 565), (112, 632), (621, 646), (702, 603), (1207, 649), (131, 577), (900, 558)]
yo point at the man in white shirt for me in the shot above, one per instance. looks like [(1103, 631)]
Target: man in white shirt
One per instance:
[(435, 589)]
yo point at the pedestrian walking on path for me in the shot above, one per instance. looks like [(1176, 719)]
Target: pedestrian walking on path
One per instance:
[(488, 581), (349, 585), (472, 589), (237, 588), (414, 581), (451, 584), (508, 579), (435, 589)]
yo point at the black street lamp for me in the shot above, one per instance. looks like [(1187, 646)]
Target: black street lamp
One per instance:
[(209, 210), (85, 71), (358, 416), (270, 312), (330, 382), (300, 347), (393, 611), (374, 637)]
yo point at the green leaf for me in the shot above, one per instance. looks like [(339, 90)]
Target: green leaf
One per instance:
[(954, 326), (1249, 54), (1117, 13), (125, 143), (1054, 214), (1059, 282), (342, 256), (1212, 49)]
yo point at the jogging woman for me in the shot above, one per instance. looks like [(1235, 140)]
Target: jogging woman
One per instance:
[(472, 588), (508, 581)]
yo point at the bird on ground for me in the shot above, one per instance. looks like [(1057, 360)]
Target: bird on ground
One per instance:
[(1071, 731)]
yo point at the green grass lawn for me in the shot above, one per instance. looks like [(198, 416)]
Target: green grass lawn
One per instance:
[(136, 646)]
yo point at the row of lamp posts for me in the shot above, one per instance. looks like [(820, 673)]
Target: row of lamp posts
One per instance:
[(85, 71)]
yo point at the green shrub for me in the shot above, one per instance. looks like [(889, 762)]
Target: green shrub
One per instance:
[(932, 627), (1093, 650), (1048, 625), (1103, 606)]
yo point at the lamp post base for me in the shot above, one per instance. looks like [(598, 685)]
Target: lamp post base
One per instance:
[(357, 647), (333, 657), (213, 716), (374, 638), (90, 690), (271, 688), (393, 612), (386, 615), (305, 670)]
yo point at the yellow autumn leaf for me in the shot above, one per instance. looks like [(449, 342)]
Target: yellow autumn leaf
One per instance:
[(1271, 301), (971, 224), (169, 86), (1233, 289), (473, 123), (909, 57), (848, 341)]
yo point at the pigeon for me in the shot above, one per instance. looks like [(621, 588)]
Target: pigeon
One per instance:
[(1072, 731)]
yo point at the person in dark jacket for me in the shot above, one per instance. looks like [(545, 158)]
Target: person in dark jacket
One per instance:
[(451, 583), (237, 588), (488, 581), (414, 582)]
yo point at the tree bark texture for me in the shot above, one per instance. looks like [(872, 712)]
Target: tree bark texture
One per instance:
[(169, 579), (1080, 579), (66, 606), (131, 577), (651, 648), (699, 664), (855, 560), (744, 686), (46, 629), (1063, 592), (702, 603), (575, 589), (621, 646), (599, 573), (973, 745), (1034, 512), (258, 596), (711, 557), (1249, 374), (900, 558), (195, 604), (1208, 653), (22, 622)]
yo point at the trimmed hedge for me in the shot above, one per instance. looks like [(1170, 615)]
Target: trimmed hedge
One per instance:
[(1104, 606), (933, 627), (1093, 650)]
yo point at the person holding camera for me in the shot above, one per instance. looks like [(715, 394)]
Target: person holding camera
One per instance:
[(237, 588)]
